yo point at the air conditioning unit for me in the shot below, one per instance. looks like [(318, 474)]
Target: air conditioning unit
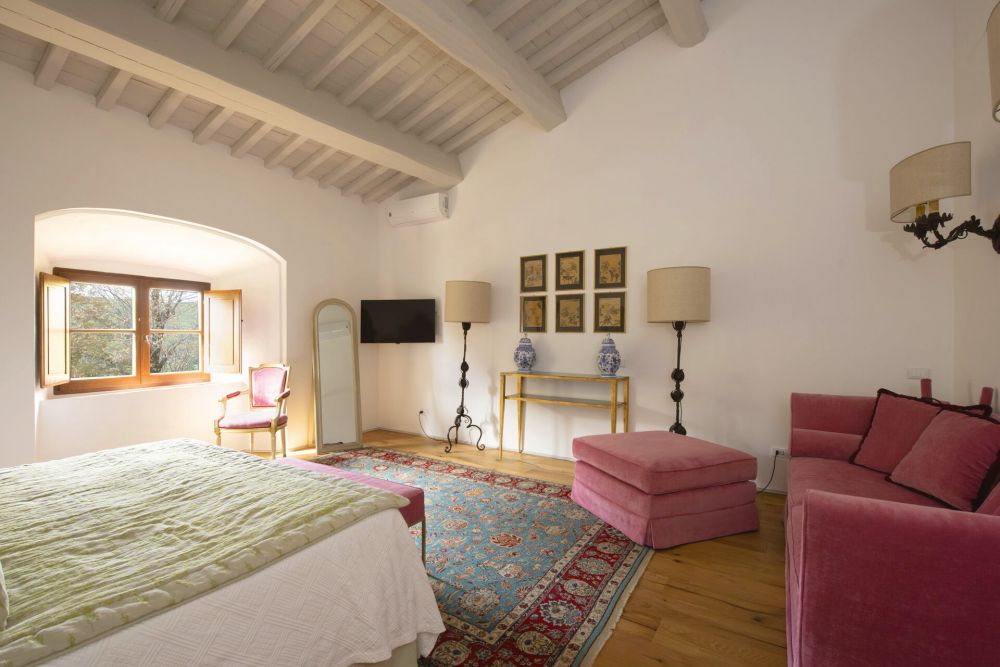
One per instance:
[(419, 210)]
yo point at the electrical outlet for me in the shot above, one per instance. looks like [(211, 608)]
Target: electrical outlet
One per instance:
[(781, 452)]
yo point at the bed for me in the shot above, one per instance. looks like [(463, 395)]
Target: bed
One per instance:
[(344, 587)]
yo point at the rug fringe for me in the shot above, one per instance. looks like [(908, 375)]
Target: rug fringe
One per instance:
[(616, 613)]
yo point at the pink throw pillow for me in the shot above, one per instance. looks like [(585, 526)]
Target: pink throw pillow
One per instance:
[(992, 503), (952, 459), (896, 424)]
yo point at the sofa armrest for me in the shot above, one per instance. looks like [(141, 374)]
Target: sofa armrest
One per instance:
[(828, 426), (887, 584)]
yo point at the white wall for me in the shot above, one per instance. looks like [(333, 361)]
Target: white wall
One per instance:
[(60, 151), (977, 266), (763, 153)]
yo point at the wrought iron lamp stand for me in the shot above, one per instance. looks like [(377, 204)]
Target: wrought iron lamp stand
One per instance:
[(678, 376), (461, 414)]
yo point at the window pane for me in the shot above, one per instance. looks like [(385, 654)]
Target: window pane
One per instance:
[(174, 353), (101, 355), (93, 306), (174, 309)]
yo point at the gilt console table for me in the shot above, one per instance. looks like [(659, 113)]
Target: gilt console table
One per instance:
[(617, 388)]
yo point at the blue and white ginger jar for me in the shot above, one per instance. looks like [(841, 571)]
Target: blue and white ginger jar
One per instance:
[(608, 358), (524, 355)]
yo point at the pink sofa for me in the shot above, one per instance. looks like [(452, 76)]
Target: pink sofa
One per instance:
[(877, 574)]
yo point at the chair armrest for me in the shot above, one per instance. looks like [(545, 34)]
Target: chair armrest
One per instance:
[(279, 403), (224, 401), (886, 583)]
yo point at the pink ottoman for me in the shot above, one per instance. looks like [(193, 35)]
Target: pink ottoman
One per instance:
[(662, 489)]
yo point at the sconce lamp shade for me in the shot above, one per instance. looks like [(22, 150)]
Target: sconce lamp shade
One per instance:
[(678, 294), (466, 301), (993, 48), (928, 176)]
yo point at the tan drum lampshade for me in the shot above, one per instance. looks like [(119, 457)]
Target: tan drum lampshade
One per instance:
[(466, 301), (928, 176), (993, 49), (679, 294)]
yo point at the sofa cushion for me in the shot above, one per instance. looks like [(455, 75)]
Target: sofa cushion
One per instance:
[(952, 458), (806, 473), (897, 423), (664, 462)]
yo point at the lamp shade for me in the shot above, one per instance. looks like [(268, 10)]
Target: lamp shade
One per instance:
[(679, 294), (466, 301), (933, 174), (993, 49)]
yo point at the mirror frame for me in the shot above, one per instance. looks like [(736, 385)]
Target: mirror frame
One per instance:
[(321, 448)]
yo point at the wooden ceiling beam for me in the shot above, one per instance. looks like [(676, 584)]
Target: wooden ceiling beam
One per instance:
[(411, 86), (376, 72), (555, 14), (343, 169), (376, 184), (351, 42), (601, 46), (112, 89), (441, 127), (50, 65), (463, 33), (391, 187), (236, 20), (278, 155), (504, 12), (296, 32), (213, 121), (185, 59), (304, 168), (472, 132), (572, 36), (250, 138), (166, 107), (686, 20), (363, 181), (459, 84), (169, 9)]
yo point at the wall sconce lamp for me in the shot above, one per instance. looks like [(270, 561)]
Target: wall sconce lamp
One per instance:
[(993, 49), (918, 183)]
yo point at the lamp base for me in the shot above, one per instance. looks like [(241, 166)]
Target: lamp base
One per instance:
[(462, 416), (679, 429)]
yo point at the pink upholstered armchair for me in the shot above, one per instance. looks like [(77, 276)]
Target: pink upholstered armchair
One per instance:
[(268, 392)]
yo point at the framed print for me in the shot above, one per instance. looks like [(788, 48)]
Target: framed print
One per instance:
[(569, 270), (569, 313), (609, 312), (609, 268), (533, 273), (533, 314)]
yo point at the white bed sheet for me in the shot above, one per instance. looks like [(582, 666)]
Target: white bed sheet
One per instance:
[(350, 598)]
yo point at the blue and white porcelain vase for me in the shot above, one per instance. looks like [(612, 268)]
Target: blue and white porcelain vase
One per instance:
[(524, 355), (608, 358)]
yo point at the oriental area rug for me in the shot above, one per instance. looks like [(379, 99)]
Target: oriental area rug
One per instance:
[(523, 576)]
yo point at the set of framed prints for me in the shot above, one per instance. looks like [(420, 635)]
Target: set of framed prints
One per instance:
[(610, 271)]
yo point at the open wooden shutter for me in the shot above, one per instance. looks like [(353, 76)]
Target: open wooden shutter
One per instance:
[(53, 330), (223, 331)]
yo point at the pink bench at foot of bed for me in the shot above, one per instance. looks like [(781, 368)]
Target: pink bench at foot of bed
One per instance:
[(412, 513), (662, 489)]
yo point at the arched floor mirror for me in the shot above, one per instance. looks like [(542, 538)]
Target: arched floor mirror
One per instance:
[(337, 389)]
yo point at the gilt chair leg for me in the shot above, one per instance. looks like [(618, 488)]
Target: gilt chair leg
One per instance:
[(252, 434), (284, 448), (218, 437), (274, 446)]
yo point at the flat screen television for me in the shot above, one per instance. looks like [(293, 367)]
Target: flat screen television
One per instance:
[(397, 321)]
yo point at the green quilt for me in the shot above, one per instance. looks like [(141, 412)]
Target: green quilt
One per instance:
[(91, 543)]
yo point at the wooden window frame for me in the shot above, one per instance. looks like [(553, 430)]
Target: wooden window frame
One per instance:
[(142, 377)]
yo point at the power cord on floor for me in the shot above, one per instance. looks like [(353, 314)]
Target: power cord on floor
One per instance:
[(774, 465), (420, 420)]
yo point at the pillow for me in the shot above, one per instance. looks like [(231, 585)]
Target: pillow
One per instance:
[(896, 424), (4, 601), (951, 459), (992, 503)]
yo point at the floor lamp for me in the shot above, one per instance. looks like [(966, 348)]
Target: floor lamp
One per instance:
[(678, 294), (465, 301)]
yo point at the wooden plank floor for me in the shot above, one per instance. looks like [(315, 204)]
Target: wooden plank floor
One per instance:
[(720, 602)]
